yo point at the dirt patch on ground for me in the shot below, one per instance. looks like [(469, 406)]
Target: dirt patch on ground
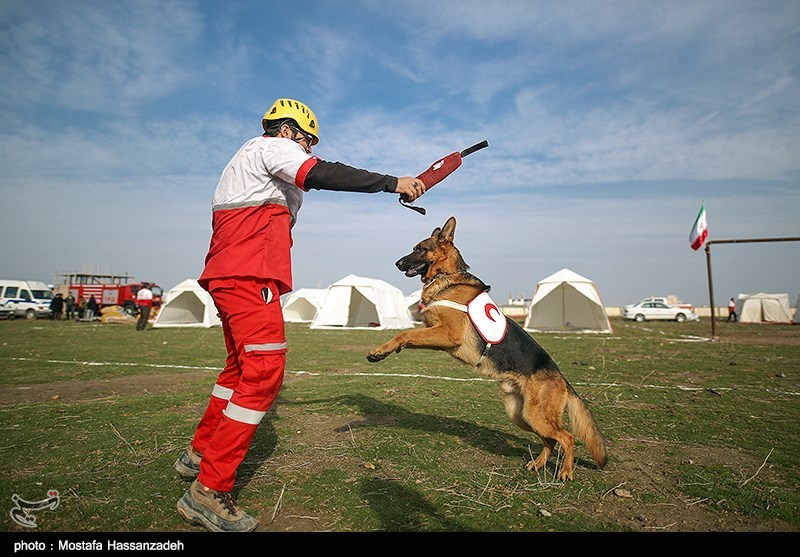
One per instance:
[(81, 391), (133, 385), (650, 498)]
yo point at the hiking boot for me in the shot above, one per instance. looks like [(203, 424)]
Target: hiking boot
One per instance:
[(216, 510), (188, 464)]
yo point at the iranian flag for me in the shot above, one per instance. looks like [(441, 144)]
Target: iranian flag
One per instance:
[(699, 230)]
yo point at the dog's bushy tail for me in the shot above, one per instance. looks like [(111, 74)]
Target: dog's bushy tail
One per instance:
[(585, 428)]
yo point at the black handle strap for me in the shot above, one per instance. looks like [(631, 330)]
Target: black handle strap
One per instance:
[(420, 210)]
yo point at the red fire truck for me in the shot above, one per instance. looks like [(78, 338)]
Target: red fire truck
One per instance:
[(108, 290)]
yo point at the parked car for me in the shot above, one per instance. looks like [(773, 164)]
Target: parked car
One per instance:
[(651, 311)]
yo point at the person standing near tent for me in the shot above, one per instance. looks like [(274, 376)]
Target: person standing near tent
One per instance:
[(247, 268), (144, 299), (732, 310)]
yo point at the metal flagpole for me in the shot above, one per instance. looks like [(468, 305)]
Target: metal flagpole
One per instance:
[(714, 336)]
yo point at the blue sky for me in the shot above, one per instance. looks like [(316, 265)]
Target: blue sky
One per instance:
[(609, 124)]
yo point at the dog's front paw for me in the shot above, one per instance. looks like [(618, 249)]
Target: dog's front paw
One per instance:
[(376, 356), (564, 475)]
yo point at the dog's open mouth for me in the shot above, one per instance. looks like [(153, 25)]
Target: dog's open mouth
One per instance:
[(413, 269), (419, 270)]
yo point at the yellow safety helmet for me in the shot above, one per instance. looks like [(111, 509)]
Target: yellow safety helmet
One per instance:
[(297, 111)]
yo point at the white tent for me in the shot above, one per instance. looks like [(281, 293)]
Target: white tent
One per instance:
[(763, 308), (362, 303), (567, 302), (302, 305), (412, 303), (187, 305)]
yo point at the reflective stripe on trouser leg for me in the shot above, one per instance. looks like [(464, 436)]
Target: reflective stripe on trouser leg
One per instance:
[(256, 328)]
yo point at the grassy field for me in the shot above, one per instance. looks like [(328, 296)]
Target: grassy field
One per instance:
[(702, 436)]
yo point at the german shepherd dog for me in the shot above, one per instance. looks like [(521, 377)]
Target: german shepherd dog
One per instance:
[(534, 390)]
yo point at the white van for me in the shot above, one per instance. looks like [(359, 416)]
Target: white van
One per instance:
[(26, 298)]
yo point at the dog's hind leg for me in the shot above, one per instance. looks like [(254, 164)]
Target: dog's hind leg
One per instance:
[(540, 461), (550, 435), (514, 404), (543, 410)]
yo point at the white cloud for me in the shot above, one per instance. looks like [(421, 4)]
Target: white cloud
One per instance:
[(98, 58)]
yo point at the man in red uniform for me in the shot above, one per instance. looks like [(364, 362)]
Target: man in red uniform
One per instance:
[(144, 299), (247, 268), (732, 310)]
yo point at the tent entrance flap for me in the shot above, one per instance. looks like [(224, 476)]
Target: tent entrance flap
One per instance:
[(566, 309), (301, 306), (301, 310), (186, 307), (363, 312)]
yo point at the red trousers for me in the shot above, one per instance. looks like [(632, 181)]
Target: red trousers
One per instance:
[(252, 322)]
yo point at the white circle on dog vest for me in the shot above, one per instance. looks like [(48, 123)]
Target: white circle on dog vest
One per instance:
[(487, 318)]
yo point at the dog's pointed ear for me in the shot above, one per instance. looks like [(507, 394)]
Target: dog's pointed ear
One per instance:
[(449, 230), (436, 232)]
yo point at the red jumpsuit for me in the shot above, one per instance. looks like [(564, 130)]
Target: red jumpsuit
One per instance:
[(247, 268)]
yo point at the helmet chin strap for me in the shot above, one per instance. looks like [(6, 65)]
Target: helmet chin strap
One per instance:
[(420, 210)]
